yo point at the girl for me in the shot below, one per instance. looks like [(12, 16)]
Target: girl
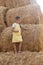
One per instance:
[(17, 37)]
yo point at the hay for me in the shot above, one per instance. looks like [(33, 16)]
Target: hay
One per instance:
[(24, 58), (26, 13), (2, 2), (6, 37), (41, 37), (15, 3), (2, 15), (30, 38), (1, 28), (18, 3), (42, 19)]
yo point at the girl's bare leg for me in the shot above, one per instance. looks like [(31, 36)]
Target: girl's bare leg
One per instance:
[(20, 46), (14, 46)]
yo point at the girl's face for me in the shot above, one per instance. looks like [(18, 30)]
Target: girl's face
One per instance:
[(18, 21)]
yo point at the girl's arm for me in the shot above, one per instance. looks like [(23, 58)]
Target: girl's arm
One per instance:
[(15, 31), (24, 28)]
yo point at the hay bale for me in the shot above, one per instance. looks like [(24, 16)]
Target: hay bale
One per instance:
[(41, 37), (30, 38), (6, 37), (2, 15), (26, 13), (15, 3), (2, 2), (18, 3), (42, 19), (1, 28), (24, 58)]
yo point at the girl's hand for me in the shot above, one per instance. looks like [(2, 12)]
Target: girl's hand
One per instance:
[(15, 31), (24, 28)]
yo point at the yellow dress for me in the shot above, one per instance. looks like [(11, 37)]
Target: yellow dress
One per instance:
[(17, 37)]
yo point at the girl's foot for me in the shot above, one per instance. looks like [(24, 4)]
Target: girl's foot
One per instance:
[(15, 52)]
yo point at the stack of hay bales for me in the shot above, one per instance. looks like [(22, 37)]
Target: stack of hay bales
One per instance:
[(2, 18), (30, 14), (30, 38)]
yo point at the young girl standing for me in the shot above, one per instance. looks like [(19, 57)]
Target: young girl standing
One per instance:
[(17, 37)]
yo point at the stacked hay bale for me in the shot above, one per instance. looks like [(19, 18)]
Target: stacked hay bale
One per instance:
[(41, 37), (2, 18), (42, 19), (1, 28), (2, 3), (6, 37), (16, 3), (2, 15), (26, 13)]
